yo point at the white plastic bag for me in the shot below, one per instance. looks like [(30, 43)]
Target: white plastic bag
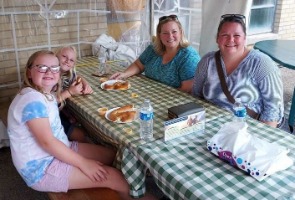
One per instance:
[(258, 158), (107, 46)]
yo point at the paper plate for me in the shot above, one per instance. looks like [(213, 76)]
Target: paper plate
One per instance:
[(111, 82), (109, 111)]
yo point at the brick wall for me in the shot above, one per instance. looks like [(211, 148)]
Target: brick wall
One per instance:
[(34, 32), (285, 19)]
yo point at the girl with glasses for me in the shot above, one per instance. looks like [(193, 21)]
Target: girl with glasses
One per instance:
[(41, 152), (170, 59), (249, 74)]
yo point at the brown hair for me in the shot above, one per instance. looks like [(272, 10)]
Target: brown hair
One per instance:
[(158, 45), (233, 19)]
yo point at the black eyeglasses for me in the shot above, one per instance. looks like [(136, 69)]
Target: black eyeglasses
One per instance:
[(43, 68), (174, 17), (233, 16)]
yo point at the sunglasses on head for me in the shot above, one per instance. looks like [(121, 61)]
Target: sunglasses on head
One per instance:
[(174, 17), (43, 68), (233, 16)]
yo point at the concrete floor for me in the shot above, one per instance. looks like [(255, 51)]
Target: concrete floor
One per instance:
[(12, 187)]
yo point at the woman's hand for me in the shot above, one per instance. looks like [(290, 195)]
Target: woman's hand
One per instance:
[(94, 170), (118, 75), (135, 68)]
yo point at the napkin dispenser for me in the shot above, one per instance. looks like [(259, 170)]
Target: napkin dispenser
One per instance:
[(184, 110)]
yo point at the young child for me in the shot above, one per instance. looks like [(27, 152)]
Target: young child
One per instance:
[(72, 85), (41, 152)]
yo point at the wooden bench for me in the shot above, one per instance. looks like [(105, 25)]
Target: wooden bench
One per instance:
[(85, 194)]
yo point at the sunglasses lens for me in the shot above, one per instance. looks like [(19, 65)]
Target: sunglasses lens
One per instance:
[(173, 16), (233, 17), (162, 18), (170, 16)]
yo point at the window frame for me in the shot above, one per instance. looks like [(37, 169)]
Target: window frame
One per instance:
[(266, 29)]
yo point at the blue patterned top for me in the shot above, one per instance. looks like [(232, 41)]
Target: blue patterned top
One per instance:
[(182, 67), (29, 158), (257, 81)]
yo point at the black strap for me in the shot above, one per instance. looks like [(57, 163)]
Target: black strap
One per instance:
[(224, 87)]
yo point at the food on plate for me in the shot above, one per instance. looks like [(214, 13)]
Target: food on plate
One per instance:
[(128, 130), (116, 85), (134, 95), (102, 111), (78, 80), (123, 114), (103, 79)]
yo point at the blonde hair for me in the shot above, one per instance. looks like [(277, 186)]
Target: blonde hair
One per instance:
[(28, 81), (68, 74), (158, 45)]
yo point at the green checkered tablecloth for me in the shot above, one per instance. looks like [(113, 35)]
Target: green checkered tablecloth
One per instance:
[(100, 129), (185, 169), (161, 96)]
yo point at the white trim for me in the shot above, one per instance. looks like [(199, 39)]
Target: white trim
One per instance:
[(252, 39)]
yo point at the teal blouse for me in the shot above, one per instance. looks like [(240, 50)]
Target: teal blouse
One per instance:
[(182, 67)]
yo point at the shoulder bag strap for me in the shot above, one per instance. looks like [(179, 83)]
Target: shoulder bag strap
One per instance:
[(224, 87), (222, 79)]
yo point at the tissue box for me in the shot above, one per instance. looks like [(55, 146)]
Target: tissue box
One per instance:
[(184, 110), (260, 159)]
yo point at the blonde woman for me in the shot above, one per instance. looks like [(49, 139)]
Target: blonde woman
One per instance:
[(169, 59)]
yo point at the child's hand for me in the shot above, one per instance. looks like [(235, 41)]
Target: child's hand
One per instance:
[(94, 170), (76, 89), (87, 89)]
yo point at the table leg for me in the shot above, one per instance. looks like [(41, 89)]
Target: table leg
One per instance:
[(291, 120)]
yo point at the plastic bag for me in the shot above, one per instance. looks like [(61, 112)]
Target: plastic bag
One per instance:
[(107, 46), (258, 158)]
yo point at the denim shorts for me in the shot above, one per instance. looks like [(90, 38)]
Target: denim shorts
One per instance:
[(56, 177)]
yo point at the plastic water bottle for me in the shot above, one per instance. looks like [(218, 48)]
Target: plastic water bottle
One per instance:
[(146, 116), (101, 66), (240, 111)]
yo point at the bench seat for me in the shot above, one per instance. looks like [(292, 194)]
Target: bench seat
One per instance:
[(85, 194)]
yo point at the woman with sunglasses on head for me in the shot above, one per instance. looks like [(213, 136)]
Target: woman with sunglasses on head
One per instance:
[(249, 74), (169, 59), (40, 149)]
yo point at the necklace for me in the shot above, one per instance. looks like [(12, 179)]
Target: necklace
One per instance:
[(48, 96)]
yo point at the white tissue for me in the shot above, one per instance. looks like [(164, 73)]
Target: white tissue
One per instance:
[(258, 158)]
